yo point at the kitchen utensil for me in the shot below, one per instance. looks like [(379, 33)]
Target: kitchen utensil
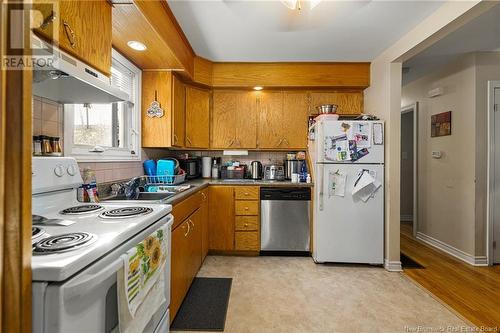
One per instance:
[(256, 170), (327, 108)]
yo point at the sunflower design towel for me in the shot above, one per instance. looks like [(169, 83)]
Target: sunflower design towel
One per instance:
[(141, 281)]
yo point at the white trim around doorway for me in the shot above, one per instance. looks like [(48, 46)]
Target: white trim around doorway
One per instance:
[(491, 167), (414, 108)]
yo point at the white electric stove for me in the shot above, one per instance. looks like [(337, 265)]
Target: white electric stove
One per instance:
[(77, 249)]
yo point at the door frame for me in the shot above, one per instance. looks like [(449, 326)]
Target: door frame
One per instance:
[(406, 109), (492, 85)]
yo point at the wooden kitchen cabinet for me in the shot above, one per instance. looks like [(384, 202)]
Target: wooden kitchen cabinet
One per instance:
[(197, 117), (283, 120), (234, 119), (349, 102), (221, 218), (81, 28), (204, 223), (168, 130), (247, 219)]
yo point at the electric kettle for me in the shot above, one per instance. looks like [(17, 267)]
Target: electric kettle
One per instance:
[(256, 170)]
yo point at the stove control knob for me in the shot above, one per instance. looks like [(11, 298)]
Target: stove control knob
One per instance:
[(71, 170), (59, 170)]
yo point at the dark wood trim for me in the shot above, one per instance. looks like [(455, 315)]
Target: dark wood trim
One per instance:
[(15, 192)]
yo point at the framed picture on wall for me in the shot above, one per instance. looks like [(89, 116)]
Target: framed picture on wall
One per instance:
[(441, 124)]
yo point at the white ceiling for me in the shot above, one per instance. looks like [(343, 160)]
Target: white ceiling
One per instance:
[(480, 34), (223, 30)]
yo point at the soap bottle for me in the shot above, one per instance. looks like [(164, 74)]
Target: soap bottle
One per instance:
[(215, 170)]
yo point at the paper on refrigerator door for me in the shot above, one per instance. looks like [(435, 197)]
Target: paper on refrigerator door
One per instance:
[(361, 134), (337, 148), (336, 184), (366, 185)]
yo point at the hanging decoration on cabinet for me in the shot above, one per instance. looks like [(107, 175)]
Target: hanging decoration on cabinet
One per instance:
[(155, 110), (441, 124)]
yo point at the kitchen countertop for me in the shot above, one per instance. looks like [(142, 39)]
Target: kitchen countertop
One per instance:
[(200, 183)]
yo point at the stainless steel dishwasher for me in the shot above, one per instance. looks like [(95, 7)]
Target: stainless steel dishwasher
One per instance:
[(284, 220)]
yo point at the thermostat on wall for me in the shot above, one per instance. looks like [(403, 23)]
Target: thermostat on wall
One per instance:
[(436, 154)]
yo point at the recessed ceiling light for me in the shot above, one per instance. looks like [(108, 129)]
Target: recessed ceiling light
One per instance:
[(258, 88), (138, 46)]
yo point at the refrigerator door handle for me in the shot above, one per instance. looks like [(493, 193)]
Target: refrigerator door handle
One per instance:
[(321, 186)]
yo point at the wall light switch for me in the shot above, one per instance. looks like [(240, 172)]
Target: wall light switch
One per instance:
[(436, 154)]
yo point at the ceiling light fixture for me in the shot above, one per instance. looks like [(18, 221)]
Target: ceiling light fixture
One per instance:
[(258, 88), (297, 4), (138, 46)]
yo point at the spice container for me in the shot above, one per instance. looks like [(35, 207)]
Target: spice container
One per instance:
[(55, 144), (37, 146), (46, 147)]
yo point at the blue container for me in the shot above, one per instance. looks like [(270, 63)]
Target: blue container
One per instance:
[(165, 168), (149, 167)]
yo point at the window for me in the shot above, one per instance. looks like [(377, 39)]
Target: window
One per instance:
[(107, 132)]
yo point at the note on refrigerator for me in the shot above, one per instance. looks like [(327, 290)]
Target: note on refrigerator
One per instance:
[(336, 184), (361, 134), (366, 185), (337, 148), (378, 134)]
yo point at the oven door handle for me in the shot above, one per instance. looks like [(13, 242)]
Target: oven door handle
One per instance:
[(89, 281)]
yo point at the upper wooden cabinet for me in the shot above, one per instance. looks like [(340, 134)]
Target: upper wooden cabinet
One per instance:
[(197, 117), (81, 28), (283, 120), (349, 102), (234, 120), (167, 130)]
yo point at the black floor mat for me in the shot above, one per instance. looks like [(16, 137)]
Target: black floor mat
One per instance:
[(205, 306), (408, 262)]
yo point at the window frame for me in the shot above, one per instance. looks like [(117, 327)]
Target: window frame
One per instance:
[(82, 153)]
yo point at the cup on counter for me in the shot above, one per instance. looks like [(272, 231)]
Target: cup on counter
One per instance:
[(295, 178)]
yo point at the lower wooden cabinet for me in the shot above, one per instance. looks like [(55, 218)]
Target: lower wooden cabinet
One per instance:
[(247, 241), (204, 224), (221, 218)]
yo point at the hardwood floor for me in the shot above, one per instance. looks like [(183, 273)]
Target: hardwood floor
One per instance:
[(473, 292)]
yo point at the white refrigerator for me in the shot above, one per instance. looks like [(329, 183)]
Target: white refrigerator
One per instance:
[(348, 219)]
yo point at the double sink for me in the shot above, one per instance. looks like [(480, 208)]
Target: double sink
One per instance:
[(153, 197)]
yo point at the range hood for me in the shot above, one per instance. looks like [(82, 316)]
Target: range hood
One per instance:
[(65, 79)]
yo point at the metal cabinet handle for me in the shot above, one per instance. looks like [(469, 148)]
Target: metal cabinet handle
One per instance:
[(175, 139), (246, 208), (188, 229), (279, 143), (189, 140), (246, 193), (286, 141), (192, 224), (246, 225), (70, 34), (204, 196), (231, 143), (48, 20)]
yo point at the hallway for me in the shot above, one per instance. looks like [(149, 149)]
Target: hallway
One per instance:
[(473, 292)]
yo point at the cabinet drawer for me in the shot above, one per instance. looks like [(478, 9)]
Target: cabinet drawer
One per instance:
[(247, 223), (246, 193), (247, 207), (247, 241)]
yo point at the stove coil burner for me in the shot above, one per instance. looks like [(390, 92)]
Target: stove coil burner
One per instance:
[(36, 232), (125, 212), (82, 209), (63, 243)]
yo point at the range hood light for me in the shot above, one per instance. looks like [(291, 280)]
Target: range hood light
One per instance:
[(138, 46)]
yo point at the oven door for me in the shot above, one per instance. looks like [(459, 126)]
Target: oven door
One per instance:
[(88, 301)]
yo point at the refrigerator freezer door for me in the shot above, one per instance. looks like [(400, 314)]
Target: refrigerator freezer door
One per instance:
[(363, 132), (347, 229)]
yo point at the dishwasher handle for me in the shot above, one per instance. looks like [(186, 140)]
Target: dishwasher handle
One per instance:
[(285, 193)]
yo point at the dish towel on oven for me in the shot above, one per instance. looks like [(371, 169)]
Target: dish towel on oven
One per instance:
[(141, 282)]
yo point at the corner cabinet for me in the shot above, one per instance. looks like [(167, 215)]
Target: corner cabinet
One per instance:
[(234, 119), (197, 118), (167, 129), (83, 29)]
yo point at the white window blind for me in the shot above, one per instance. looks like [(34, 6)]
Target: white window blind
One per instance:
[(123, 79)]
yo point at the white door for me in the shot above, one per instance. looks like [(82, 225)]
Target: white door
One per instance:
[(347, 229), (496, 202)]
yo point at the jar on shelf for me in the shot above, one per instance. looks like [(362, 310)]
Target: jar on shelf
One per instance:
[(46, 146), (37, 145), (55, 144)]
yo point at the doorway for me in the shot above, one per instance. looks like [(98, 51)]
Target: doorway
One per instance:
[(494, 172), (408, 203)]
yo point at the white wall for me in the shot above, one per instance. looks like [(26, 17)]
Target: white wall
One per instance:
[(446, 200)]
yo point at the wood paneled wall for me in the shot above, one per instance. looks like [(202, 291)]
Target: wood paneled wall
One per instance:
[(15, 190)]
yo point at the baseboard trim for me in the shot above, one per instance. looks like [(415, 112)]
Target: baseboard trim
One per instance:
[(393, 266), (453, 251), (406, 218)]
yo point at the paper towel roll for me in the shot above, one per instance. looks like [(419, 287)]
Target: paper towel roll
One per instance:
[(206, 170)]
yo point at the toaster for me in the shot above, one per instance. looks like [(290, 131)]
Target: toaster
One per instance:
[(274, 172)]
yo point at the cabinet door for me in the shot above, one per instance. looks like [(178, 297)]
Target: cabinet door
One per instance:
[(197, 117), (224, 119), (271, 119), (195, 239), (221, 218), (84, 30), (180, 270), (156, 132), (349, 102), (204, 224), (296, 110), (178, 112), (234, 119)]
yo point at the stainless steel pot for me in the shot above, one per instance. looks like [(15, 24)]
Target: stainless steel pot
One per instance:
[(292, 166)]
